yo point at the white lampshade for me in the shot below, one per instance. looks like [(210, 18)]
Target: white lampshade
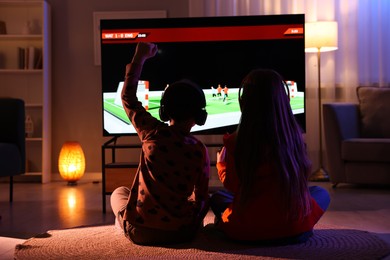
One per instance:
[(320, 36)]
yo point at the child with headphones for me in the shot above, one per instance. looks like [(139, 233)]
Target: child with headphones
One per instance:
[(169, 196), (264, 168)]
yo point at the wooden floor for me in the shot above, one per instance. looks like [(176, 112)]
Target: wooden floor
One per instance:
[(40, 207)]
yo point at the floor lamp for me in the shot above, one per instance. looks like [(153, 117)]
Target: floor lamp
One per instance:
[(320, 37)]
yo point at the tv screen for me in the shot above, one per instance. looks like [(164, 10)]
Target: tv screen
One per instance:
[(211, 51)]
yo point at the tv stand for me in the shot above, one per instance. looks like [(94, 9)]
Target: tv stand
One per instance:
[(116, 173)]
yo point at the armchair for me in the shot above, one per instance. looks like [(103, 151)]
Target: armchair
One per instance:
[(12, 139), (357, 138)]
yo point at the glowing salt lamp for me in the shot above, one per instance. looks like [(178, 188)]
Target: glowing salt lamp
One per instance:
[(71, 162)]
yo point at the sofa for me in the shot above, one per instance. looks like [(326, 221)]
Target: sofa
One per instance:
[(357, 138)]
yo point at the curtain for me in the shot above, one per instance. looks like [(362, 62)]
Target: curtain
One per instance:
[(362, 58), (374, 41)]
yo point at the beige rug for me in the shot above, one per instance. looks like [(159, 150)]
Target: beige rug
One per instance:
[(106, 242)]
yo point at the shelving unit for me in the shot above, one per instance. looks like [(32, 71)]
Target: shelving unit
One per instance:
[(26, 24)]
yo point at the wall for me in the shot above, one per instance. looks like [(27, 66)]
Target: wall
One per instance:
[(76, 87)]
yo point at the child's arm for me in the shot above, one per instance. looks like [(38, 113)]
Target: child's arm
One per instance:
[(143, 52), (221, 164), (137, 114), (229, 180), (201, 191)]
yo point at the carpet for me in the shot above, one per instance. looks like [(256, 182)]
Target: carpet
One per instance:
[(107, 242)]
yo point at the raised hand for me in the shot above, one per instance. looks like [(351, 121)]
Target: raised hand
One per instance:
[(144, 51)]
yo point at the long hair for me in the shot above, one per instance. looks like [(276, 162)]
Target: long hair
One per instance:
[(269, 133)]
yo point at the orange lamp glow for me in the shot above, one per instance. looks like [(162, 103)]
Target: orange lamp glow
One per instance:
[(71, 162)]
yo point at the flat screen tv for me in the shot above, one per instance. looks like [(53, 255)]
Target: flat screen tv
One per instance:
[(211, 51)]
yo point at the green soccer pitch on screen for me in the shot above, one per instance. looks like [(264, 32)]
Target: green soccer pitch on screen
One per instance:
[(222, 111)]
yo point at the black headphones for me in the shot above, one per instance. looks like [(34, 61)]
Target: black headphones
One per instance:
[(162, 110), (200, 114)]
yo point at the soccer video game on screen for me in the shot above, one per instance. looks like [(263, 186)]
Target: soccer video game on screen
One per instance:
[(214, 52)]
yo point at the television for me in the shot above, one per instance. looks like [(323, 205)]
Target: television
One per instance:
[(212, 52)]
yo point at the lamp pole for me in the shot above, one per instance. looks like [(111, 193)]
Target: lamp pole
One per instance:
[(320, 174), (320, 36)]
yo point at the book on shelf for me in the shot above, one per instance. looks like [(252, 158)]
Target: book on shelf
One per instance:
[(30, 58)]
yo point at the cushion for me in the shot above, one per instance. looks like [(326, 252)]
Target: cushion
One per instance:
[(374, 105), (366, 150)]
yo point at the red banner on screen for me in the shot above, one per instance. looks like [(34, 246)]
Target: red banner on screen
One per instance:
[(231, 33)]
